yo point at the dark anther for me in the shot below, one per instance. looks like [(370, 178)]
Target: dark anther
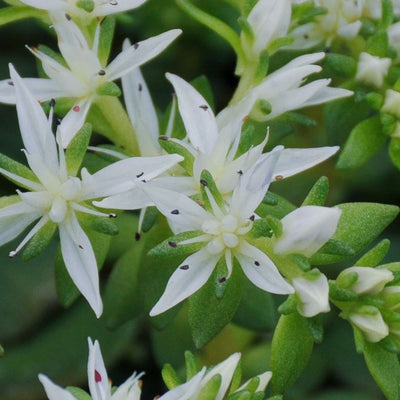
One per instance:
[(203, 182), (222, 280), (252, 217), (184, 267), (204, 107), (11, 83), (256, 263), (137, 236), (68, 17), (102, 72), (80, 246), (164, 138), (172, 244), (240, 172), (136, 45), (52, 103), (112, 215), (175, 212), (140, 87), (57, 121), (139, 175)]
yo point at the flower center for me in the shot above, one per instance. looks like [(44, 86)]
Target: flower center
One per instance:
[(226, 231)]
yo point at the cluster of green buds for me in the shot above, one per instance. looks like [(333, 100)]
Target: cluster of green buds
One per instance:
[(370, 301)]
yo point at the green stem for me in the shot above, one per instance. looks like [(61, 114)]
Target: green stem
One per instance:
[(246, 81), (109, 118)]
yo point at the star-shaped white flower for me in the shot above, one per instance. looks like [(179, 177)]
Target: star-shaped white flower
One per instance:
[(191, 390), (56, 197), (84, 74), (284, 91), (99, 385), (223, 231), (85, 10)]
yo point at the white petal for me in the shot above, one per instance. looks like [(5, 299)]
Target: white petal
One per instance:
[(307, 229), (139, 53), (81, 262), (197, 115), (53, 391), (141, 112), (261, 271), (327, 94), (264, 380), (253, 185), (226, 370), (126, 174), (184, 282), (186, 391), (269, 19), (183, 212), (107, 8), (35, 131), (14, 219), (129, 390), (133, 199), (313, 295), (21, 181), (293, 161), (97, 375), (45, 4), (74, 120)]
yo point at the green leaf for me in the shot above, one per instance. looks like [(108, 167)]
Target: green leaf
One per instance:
[(170, 377), (210, 389), (318, 194), (101, 224), (387, 14), (76, 149), (172, 248), (279, 210), (394, 151), (171, 146), (339, 293), (109, 89), (191, 365), (341, 65), (78, 393), (364, 141), (207, 187), (359, 225), (18, 169), (378, 44), (384, 368), (39, 242), (261, 228), (107, 29), (13, 14), (208, 314), (292, 345), (375, 255), (256, 309), (316, 328), (337, 247), (122, 301)]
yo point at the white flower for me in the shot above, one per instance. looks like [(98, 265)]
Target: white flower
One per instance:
[(87, 12), (341, 20), (284, 91), (394, 38), (392, 103), (222, 230), (312, 291), (85, 74), (306, 229), (213, 141), (99, 385), (54, 196), (269, 20), (191, 390), (369, 280), (372, 70), (369, 320)]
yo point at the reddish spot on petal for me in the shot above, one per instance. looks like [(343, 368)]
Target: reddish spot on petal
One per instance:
[(97, 376), (76, 109)]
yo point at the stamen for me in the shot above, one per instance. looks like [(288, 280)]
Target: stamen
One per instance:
[(204, 107), (139, 175), (76, 109), (102, 72), (140, 87), (278, 177), (240, 172), (173, 244), (175, 212), (222, 280), (11, 83), (203, 182), (136, 45), (184, 267), (80, 246), (112, 215), (97, 376), (256, 263), (137, 236)]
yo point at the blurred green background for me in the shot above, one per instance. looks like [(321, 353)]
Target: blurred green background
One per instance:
[(39, 336)]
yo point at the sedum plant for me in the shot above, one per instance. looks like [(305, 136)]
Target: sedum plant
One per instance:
[(190, 229)]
